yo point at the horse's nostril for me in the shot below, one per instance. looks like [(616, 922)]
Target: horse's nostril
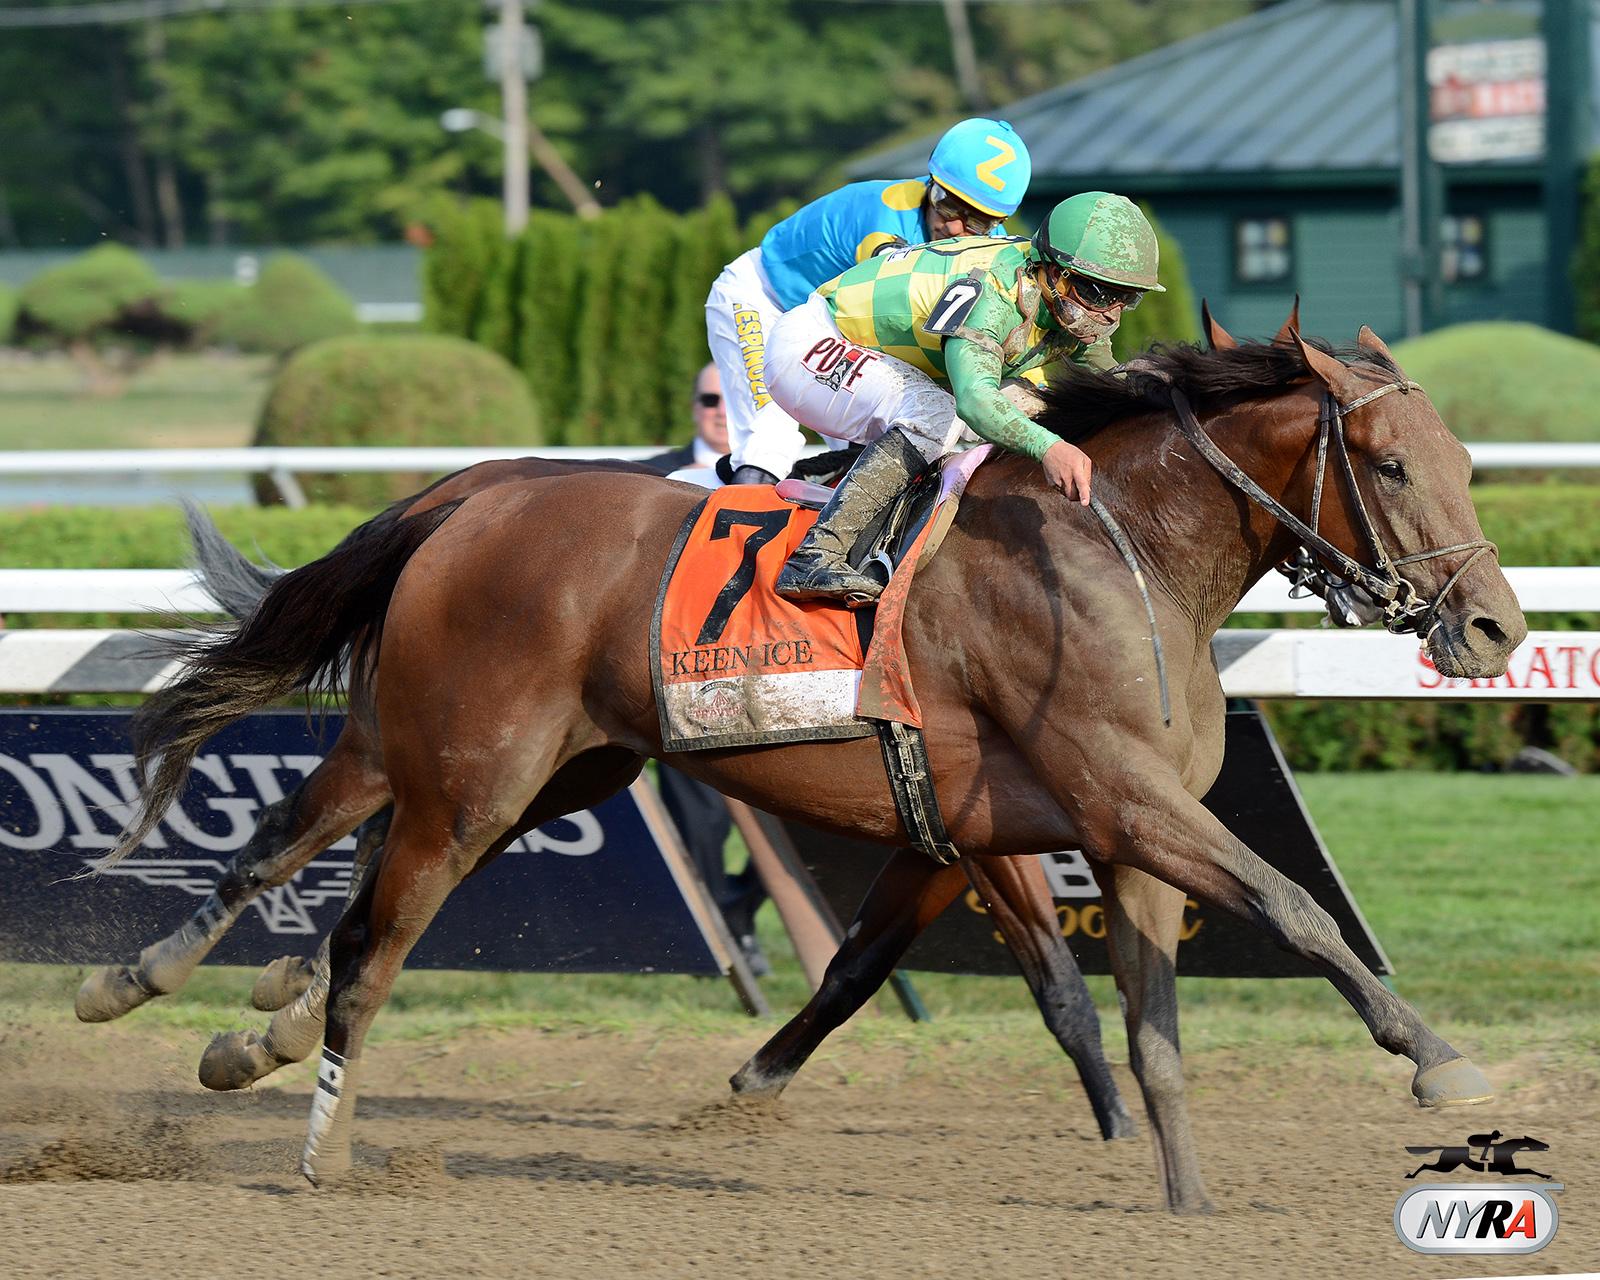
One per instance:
[(1491, 630)]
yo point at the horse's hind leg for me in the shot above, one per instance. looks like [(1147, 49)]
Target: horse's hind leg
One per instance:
[(1018, 899), (908, 895), (339, 793), (237, 1059), (1143, 920)]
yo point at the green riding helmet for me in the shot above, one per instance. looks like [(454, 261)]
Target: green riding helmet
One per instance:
[(1102, 236)]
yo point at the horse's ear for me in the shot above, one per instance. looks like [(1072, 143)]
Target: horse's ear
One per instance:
[(1218, 337), (1291, 326), (1326, 369), (1372, 342)]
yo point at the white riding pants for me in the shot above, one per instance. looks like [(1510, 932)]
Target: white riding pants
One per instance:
[(855, 393)]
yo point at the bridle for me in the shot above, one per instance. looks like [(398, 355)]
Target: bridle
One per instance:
[(1402, 608)]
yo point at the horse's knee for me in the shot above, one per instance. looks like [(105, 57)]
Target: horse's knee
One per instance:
[(1158, 1065)]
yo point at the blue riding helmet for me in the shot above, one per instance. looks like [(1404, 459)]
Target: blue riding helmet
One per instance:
[(985, 164)]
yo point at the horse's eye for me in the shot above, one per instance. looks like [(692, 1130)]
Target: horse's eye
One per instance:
[(1389, 469)]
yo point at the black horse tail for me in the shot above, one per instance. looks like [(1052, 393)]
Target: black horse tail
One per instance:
[(233, 580), (308, 626)]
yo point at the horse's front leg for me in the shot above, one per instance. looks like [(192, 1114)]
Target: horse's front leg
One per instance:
[(1146, 820), (1017, 897), (1143, 920), (908, 895)]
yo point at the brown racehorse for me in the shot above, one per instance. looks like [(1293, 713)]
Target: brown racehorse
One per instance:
[(349, 787), (506, 638)]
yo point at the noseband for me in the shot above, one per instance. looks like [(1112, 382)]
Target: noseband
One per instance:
[(1403, 609)]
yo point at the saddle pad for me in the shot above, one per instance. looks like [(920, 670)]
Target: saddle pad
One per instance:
[(735, 664)]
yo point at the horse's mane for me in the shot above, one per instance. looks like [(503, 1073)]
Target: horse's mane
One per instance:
[(1080, 401)]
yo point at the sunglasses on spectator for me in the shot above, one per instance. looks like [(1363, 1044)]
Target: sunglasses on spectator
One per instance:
[(1096, 294), (950, 209), (708, 399)]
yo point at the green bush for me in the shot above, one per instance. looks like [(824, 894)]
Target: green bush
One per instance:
[(203, 305), (8, 312), (291, 305), (548, 309), (420, 389), (87, 297), (1173, 316), (468, 240), (1508, 381)]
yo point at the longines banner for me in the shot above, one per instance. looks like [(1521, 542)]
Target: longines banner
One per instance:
[(588, 893), (1256, 799)]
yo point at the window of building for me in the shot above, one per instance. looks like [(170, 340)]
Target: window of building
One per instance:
[(1463, 248), (1263, 252)]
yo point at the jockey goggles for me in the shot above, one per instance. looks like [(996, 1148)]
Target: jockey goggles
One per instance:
[(951, 207), (1091, 293)]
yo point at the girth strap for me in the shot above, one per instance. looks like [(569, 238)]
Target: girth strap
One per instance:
[(905, 760)]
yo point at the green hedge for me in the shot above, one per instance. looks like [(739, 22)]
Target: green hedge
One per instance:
[(606, 318), (87, 297), (410, 389), (8, 312), (1505, 381), (1534, 524), (291, 305)]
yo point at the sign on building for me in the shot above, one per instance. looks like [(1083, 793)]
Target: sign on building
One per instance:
[(1486, 101)]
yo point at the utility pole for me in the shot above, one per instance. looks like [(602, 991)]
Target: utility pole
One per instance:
[(514, 110), (964, 54), (1421, 194), (1566, 141)]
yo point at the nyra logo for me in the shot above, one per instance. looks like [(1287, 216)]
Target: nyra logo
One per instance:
[(1482, 1217)]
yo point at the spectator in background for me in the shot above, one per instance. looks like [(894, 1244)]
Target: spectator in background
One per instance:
[(696, 461), (697, 810)]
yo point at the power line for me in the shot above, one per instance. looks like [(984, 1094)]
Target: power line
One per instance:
[(116, 12)]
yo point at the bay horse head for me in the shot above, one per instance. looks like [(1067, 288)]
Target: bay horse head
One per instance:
[(1397, 504)]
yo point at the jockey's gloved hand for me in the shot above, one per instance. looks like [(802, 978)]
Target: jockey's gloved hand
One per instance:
[(753, 475), (1067, 468)]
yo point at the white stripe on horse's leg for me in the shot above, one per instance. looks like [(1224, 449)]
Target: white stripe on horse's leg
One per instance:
[(333, 1108)]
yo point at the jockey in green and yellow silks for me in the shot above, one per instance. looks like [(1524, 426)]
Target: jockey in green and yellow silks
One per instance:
[(977, 176), (908, 353)]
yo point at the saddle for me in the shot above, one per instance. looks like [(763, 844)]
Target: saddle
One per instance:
[(737, 665)]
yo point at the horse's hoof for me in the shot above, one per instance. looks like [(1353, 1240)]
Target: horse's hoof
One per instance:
[(280, 982), (235, 1060), (1120, 1126), (109, 993), (1455, 1083)]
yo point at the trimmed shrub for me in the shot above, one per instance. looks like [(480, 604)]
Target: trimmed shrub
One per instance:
[(86, 298), (291, 305), (420, 389), (468, 239), (1173, 316), (1507, 381), (8, 312), (203, 305), (546, 332)]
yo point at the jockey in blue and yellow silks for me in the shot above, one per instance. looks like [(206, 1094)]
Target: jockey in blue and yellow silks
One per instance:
[(977, 176)]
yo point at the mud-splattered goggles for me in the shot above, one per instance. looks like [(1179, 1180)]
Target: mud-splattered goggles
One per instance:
[(950, 208), (1094, 294)]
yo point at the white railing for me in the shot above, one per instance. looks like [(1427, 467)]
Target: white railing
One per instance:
[(281, 464)]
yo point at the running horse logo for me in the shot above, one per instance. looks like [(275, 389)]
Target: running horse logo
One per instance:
[(1485, 1152), (286, 909)]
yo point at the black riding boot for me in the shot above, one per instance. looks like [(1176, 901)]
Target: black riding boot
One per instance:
[(819, 568)]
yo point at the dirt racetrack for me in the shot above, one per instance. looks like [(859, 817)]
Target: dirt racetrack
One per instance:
[(530, 1153)]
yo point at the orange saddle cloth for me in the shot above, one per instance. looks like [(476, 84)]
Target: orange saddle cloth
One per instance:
[(735, 663)]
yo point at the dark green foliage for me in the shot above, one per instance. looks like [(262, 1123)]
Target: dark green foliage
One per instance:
[(291, 305), (707, 240), (468, 240), (547, 315), (1508, 381), (88, 298), (1173, 316), (1586, 260), (419, 389), (8, 312)]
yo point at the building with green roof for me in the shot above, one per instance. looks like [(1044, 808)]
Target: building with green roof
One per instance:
[(1270, 148)]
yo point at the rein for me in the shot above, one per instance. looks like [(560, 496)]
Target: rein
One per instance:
[(1403, 609)]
